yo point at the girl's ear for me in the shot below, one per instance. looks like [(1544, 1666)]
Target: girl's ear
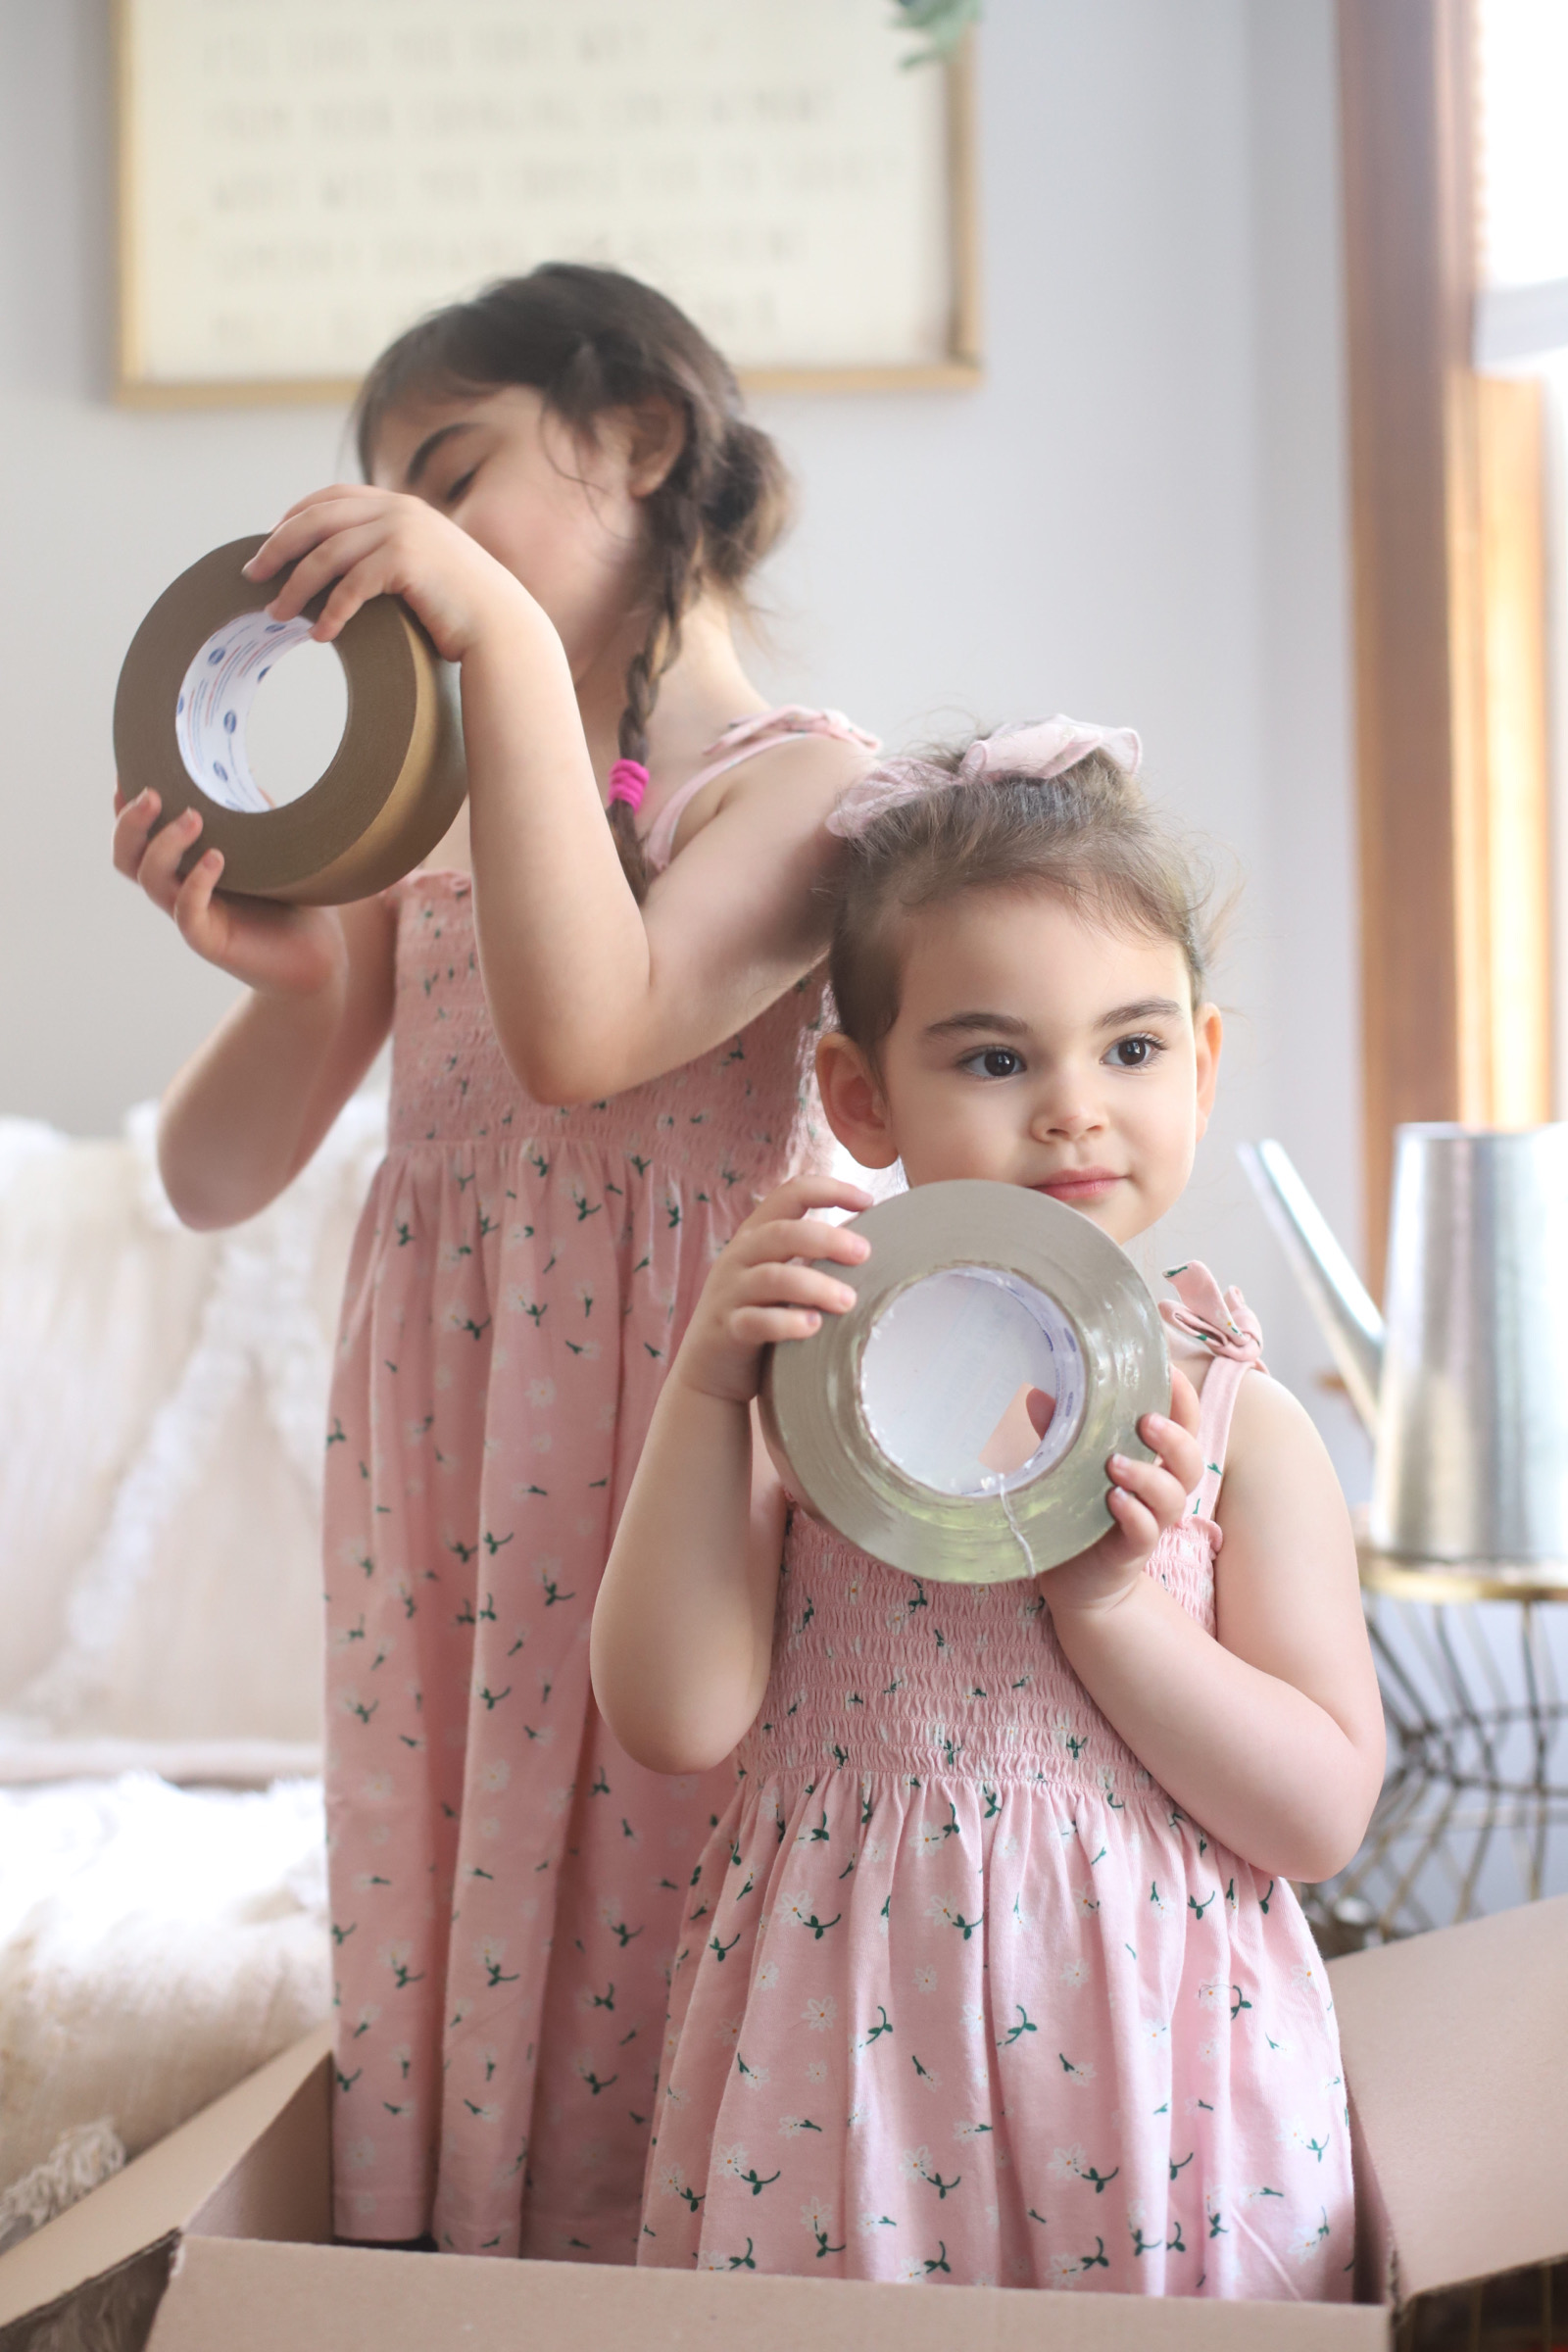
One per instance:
[(853, 1099), (655, 436), (1209, 1029)]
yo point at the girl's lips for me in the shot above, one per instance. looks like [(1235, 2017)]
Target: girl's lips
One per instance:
[(1080, 1184)]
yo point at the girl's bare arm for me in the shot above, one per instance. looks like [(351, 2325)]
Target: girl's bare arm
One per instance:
[(251, 1104), (1270, 1736), (683, 1626), (590, 994)]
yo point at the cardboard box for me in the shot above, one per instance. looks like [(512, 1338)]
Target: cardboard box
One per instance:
[(1456, 2054)]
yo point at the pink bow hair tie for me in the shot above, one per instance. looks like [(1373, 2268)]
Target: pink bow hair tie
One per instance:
[(1039, 748)]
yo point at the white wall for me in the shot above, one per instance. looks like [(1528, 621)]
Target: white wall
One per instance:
[(1138, 517)]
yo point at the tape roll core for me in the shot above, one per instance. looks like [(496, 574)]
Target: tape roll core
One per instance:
[(894, 1459), (391, 789)]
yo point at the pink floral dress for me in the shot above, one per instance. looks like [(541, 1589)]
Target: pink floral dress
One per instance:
[(506, 1885), (962, 1995)]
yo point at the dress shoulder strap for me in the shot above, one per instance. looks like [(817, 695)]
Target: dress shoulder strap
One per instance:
[(739, 742), (1222, 1323)]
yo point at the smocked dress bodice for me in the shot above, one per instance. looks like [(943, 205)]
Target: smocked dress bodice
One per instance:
[(962, 1995), (739, 1114)]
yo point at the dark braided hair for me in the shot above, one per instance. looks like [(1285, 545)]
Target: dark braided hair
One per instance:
[(591, 341)]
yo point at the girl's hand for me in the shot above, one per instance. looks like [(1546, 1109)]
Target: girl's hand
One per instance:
[(1145, 1499), (277, 950), (762, 1290), (386, 543)]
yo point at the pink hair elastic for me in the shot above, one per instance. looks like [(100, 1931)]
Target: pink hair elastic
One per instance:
[(628, 781)]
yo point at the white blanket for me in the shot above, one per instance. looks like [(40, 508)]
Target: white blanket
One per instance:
[(155, 1945)]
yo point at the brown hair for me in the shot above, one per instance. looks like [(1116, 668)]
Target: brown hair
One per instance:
[(1087, 835), (591, 341)]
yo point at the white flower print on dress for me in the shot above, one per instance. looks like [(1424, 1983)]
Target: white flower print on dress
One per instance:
[(1304, 2245), (361, 2154), (1015, 2021), (815, 2070), (766, 1977), (820, 2012)]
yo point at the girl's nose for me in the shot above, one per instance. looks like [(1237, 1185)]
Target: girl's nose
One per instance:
[(1067, 1113)]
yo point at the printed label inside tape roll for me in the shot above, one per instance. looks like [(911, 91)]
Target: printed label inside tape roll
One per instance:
[(972, 1381), (215, 705)]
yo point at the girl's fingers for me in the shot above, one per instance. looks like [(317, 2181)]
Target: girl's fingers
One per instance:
[(329, 560), (808, 1237), (798, 1285), (193, 907), (306, 522), (133, 821), (334, 494), (1176, 1447), (802, 1192), (1137, 1522), (159, 871), (1152, 1485), (372, 576), (768, 1326), (1042, 1410)]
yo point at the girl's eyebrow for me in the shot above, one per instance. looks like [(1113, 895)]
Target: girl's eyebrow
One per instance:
[(964, 1024), (1148, 1008), (431, 443)]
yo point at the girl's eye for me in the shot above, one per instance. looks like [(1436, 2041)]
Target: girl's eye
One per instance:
[(459, 487), (995, 1061), (1135, 1052)]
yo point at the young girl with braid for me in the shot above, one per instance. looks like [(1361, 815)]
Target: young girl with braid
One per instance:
[(992, 1972), (602, 1041)]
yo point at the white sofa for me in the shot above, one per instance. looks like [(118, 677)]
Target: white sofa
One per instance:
[(162, 1883)]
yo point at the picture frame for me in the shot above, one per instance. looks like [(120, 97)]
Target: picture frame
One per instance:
[(293, 188)]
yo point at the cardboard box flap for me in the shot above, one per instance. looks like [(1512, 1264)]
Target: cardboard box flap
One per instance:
[(1455, 2048), (228, 2295), (160, 2193)]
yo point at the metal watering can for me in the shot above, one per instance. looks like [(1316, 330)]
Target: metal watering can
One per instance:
[(1464, 1384)]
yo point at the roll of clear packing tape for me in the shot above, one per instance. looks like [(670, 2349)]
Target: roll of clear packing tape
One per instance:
[(391, 789), (956, 1420)]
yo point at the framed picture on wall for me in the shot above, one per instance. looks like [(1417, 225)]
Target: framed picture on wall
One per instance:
[(298, 184)]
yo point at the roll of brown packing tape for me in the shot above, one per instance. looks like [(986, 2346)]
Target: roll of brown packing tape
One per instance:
[(913, 1424), (393, 787)]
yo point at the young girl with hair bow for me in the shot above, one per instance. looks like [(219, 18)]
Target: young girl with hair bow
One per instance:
[(601, 1040), (992, 1971)]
